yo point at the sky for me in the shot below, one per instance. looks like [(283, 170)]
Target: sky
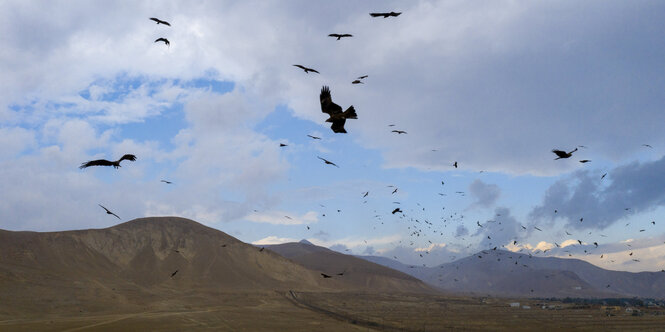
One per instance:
[(491, 85)]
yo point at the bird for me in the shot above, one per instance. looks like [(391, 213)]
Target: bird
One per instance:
[(647, 145), (340, 36), (363, 77), (334, 111), (537, 228), (357, 82), (603, 176), (160, 21), (173, 274), (104, 162), (166, 41), (307, 70), (281, 145), (325, 275), (385, 15), (262, 248), (399, 132), (328, 162), (394, 191), (313, 137), (167, 182), (455, 164), (396, 210), (563, 154), (579, 241), (108, 212), (584, 161), (366, 193)]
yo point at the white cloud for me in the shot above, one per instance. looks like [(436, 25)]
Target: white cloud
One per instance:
[(282, 218)]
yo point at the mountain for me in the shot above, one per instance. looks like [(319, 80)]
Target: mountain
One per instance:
[(142, 262), (358, 273), (504, 273)]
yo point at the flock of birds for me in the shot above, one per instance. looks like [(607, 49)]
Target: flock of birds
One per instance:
[(337, 117)]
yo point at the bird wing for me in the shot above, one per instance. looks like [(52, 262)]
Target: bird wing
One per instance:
[(338, 126), (155, 19), (129, 157), (347, 35), (107, 210), (334, 35), (395, 14), (560, 153), (378, 14), (327, 105), (300, 66), (98, 162)]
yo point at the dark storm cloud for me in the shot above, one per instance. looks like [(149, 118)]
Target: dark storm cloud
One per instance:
[(629, 189)]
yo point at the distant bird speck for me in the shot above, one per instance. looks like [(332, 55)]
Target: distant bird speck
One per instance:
[(166, 41), (340, 36), (167, 182), (328, 162), (385, 15)]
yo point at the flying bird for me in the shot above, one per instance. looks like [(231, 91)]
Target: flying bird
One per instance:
[(104, 162), (399, 132), (563, 154), (325, 275), (455, 164), (357, 82), (173, 274), (313, 137), (584, 161), (336, 116), (396, 210), (328, 162), (537, 228), (394, 191), (363, 77), (167, 182), (648, 146), (160, 21), (281, 145), (109, 212), (385, 15), (603, 176), (340, 36), (366, 193), (307, 70), (166, 41)]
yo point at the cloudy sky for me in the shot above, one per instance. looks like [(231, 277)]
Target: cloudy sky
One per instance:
[(491, 85)]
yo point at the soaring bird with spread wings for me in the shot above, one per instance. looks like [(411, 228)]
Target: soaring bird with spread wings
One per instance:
[(385, 15), (104, 162), (166, 41), (109, 212), (337, 117), (563, 154), (306, 69), (160, 21), (340, 36)]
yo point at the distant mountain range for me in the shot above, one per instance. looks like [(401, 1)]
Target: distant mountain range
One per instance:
[(505, 273)]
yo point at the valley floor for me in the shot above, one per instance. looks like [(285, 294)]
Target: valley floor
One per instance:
[(309, 311)]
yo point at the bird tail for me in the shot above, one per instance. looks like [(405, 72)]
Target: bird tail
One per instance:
[(350, 113)]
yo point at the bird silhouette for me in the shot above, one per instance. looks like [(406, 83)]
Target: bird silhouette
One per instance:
[(328, 162), (455, 164), (160, 21), (584, 161), (334, 111), (396, 210), (108, 212), (325, 275), (363, 77), (313, 137), (385, 15), (167, 182), (603, 176), (307, 70), (340, 36), (104, 162), (166, 41), (357, 82), (173, 274), (281, 145), (399, 132), (648, 146), (563, 154)]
